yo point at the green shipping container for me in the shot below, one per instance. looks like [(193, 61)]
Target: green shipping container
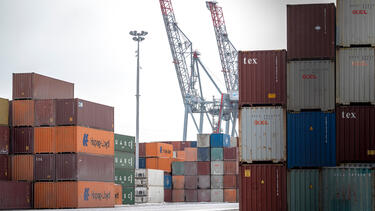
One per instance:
[(178, 168), (4, 111), (127, 195), (303, 189), (124, 143), (217, 154), (124, 177), (124, 160)]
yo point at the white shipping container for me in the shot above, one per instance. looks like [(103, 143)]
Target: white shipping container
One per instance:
[(203, 140), (355, 75), (263, 134), (217, 167), (355, 22), (155, 195), (149, 177), (217, 195)]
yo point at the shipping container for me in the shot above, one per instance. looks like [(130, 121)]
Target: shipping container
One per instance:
[(84, 194), (190, 168), (191, 183), (141, 191), (230, 153), (124, 143), (176, 145), (217, 167), (193, 144), (178, 195), (167, 181), (230, 195), (355, 75), (203, 168), (45, 168), (263, 134), (219, 140), (311, 31), (159, 163), (204, 182), (347, 189), (191, 154), (262, 77), (5, 167), (44, 113), (80, 112), (203, 154), (84, 167), (263, 187), (311, 85), (23, 140), (355, 22), (230, 181), (178, 168), (124, 177), (142, 163), (204, 195), (217, 182), (180, 155), (86, 140), (230, 167), (191, 195), (311, 139), (142, 149), (118, 194), (167, 195), (15, 195), (155, 195), (23, 113), (22, 167), (233, 141), (34, 112), (4, 140), (178, 182), (149, 177), (355, 132), (160, 150), (44, 140), (203, 140), (128, 196), (4, 112), (303, 188), (217, 195), (217, 154), (45, 195)]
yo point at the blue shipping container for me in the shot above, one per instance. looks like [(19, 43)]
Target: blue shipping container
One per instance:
[(203, 154), (142, 163), (167, 181), (218, 140), (193, 144), (311, 139)]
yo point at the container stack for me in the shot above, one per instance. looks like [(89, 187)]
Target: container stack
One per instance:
[(204, 168), (190, 174), (149, 186), (125, 166)]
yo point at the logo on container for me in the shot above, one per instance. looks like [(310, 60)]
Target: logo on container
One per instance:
[(95, 143), (86, 194), (85, 139), (348, 115), (309, 76), (261, 122), (359, 12), (250, 60)]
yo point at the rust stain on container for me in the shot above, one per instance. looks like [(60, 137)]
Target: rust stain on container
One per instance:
[(118, 194), (44, 165), (160, 150), (45, 195), (204, 168), (178, 182), (45, 140), (23, 167), (230, 195), (23, 113), (190, 154), (262, 77), (178, 195), (311, 31), (15, 195), (4, 167), (159, 163), (23, 140), (4, 140)]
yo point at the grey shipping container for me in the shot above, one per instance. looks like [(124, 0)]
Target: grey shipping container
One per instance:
[(355, 75), (203, 140), (355, 22), (217, 195), (311, 85), (263, 134), (217, 182), (217, 167), (204, 181)]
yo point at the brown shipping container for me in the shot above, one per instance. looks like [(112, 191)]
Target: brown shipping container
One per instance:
[(45, 140), (23, 140), (355, 132), (35, 86), (178, 182), (4, 140), (4, 167), (23, 113), (190, 154), (142, 149), (15, 195), (86, 140), (45, 195), (230, 167), (204, 195), (178, 195), (45, 113), (34, 113), (190, 168), (230, 195), (160, 150), (176, 145), (84, 167), (230, 153), (262, 77), (263, 187), (167, 195), (230, 181), (118, 194), (44, 165), (204, 168), (311, 31), (191, 195), (23, 167), (84, 113), (191, 182), (159, 163), (85, 194)]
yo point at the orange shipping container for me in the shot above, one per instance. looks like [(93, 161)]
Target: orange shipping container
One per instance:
[(83, 194), (190, 154), (23, 167), (23, 113), (230, 195), (45, 195), (159, 163), (118, 194), (180, 155), (178, 182), (160, 150), (82, 139), (45, 140)]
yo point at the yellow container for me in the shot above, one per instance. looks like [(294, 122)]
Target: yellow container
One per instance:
[(4, 111)]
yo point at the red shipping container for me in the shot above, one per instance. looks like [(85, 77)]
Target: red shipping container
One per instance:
[(15, 195), (142, 150), (4, 167), (230, 153), (191, 195), (23, 140), (230, 181), (230, 195), (45, 169), (45, 113), (262, 77), (178, 195), (204, 167), (263, 187), (311, 31), (355, 133), (167, 195), (178, 182), (231, 167), (4, 140)]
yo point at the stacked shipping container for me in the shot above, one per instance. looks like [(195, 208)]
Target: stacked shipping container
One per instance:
[(149, 186)]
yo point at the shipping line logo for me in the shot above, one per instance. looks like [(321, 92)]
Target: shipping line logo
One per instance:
[(360, 12), (348, 115), (309, 76), (250, 60), (261, 122), (95, 195), (95, 143), (167, 151)]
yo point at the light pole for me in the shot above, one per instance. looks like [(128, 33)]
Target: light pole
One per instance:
[(138, 37)]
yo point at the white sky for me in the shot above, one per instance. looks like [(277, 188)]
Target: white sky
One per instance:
[(87, 42)]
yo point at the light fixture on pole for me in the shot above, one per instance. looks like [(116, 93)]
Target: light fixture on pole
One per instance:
[(138, 37)]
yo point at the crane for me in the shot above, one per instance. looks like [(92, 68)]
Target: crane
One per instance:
[(229, 59)]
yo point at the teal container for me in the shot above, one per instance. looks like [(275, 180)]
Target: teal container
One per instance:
[(178, 168), (348, 189), (303, 189), (124, 177), (217, 154), (128, 195), (124, 160), (124, 143)]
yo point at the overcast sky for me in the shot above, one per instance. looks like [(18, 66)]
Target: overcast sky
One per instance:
[(87, 42)]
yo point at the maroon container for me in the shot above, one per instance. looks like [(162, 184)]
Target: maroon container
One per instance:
[(15, 195), (204, 195), (230, 181), (191, 195), (355, 134), (23, 140), (35, 86), (204, 182), (263, 187), (4, 167), (184, 144), (44, 165), (176, 145), (45, 113), (311, 31), (84, 113), (178, 195), (204, 168), (167, 195), (4, 140), (190, 168), (84, 167), (142, 149), (230, 167), (230, 153), (262, 77), (191, 182)]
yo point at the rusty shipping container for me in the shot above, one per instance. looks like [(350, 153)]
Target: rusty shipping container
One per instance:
[(142, 149), (230, 167), (44, 140), (191, 182), (355, 75), (36, 86), (23, 113), (4, 112), (191, 154), (45, 169), (22, 167), (355, 22), (230, 153), (262, 134), (80, 112), (263, 187), (34, 112), (167, 195), (230, 195), (355, 132), (15, 195), (23, 140), (4, 140), (262, 77), (203, 168), (84, 167), (191, 195), (311, 31), (230, 181), (311, 85), (4, 167), (45, 195)]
